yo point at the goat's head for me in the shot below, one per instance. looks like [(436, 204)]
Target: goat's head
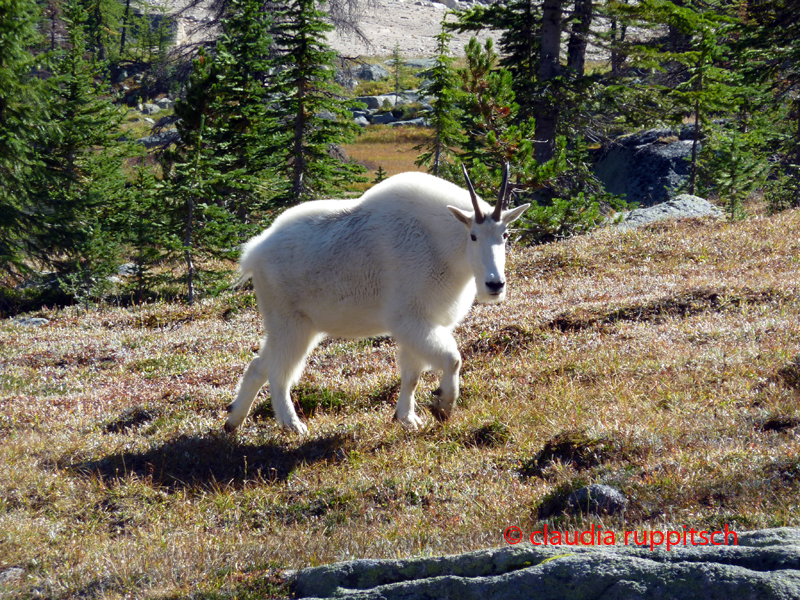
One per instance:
[(486, 247)]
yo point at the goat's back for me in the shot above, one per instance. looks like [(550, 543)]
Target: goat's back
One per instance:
[(347, 264)]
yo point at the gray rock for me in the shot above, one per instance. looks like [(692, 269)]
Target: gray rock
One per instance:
[(362, 121), (597, 499), (372, 73), (646, 167), (11, 575), (378, 102), (345, 80), (30, 321), (161, 139), (680, 207), (383, 119), (763, 565), (165, 103), (127, 269), (418, 122), (150, 109)]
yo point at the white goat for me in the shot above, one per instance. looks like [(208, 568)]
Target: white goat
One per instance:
[(402, 260)]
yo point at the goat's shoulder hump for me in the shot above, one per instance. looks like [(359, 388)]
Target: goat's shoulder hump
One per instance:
[(415, 189)]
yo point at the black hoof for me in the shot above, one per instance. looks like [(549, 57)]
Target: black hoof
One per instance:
[(437, 392), (229, 408), (229, 429)]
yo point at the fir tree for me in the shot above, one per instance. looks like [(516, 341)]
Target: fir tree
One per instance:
[(228, 91), (205, 180), (200, 228), (145, 225), (444, 120), (78, 200), (309, 119), (22, 117)]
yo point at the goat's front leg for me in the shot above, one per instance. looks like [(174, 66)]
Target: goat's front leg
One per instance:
[(411, 368), (437, 347)]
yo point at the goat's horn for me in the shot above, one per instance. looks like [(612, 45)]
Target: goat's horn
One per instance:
[(479, 217), (501, 197)]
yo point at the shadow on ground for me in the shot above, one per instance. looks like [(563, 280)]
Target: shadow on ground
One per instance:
[(213, 459)]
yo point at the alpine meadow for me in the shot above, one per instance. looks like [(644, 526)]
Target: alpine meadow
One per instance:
[(138, 155)]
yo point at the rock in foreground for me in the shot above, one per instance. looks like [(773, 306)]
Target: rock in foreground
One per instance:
[(764, 564)]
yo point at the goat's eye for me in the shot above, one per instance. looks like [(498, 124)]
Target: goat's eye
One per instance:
[(472, 237)]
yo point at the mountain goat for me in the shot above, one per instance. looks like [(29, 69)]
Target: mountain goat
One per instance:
[(406, 259)]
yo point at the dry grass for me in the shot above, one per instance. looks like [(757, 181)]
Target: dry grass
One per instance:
[(664, 362), (391, 148)]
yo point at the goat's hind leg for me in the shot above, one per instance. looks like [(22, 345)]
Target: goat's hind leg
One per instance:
[(254, 378), (289, 344)]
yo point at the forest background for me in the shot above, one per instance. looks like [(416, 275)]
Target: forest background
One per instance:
[(261, 124)]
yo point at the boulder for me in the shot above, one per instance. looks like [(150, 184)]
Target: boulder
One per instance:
[(150, 109), (345, 80), (418, 122), (372, 73), (161, 139), (681, 207), (377, 102), (383, 119), (597, 499), (30, 321), (646, 167), (165, 103), (759, 566)]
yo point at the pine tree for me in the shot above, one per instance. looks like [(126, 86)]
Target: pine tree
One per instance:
[(79, 197), (207, 180), (22, 117), (309, 119), (228, 90), (145, 225), (444, 120), (768, 55)]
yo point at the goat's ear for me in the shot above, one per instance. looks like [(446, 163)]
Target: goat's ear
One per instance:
[(509, 216), (464, 217)]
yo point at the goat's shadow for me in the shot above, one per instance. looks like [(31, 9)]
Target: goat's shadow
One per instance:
[(215, 459)]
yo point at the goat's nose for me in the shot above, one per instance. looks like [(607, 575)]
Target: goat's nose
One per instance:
[(495, 286)]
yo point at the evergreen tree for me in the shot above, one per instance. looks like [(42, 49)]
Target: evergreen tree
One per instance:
[(309, 120), (78, 199), (22, 117), (200, 229), (397, 63), (444, 120), (101, 21), (228, 91), (144, 224), (768, 55)]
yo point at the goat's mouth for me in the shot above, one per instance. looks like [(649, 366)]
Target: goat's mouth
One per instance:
[(491, 297)]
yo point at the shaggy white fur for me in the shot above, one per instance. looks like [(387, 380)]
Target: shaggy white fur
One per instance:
[(406, 259)]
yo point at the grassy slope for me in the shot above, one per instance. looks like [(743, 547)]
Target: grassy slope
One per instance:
[(675, 345)]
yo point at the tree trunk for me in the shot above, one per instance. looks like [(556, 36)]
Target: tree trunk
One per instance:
[(124, 33), (299, 166), (695, 142), (187, 253), (578, 39), (547, 115)]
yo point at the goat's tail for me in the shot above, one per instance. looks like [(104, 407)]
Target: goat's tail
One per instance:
[(245, 266)]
